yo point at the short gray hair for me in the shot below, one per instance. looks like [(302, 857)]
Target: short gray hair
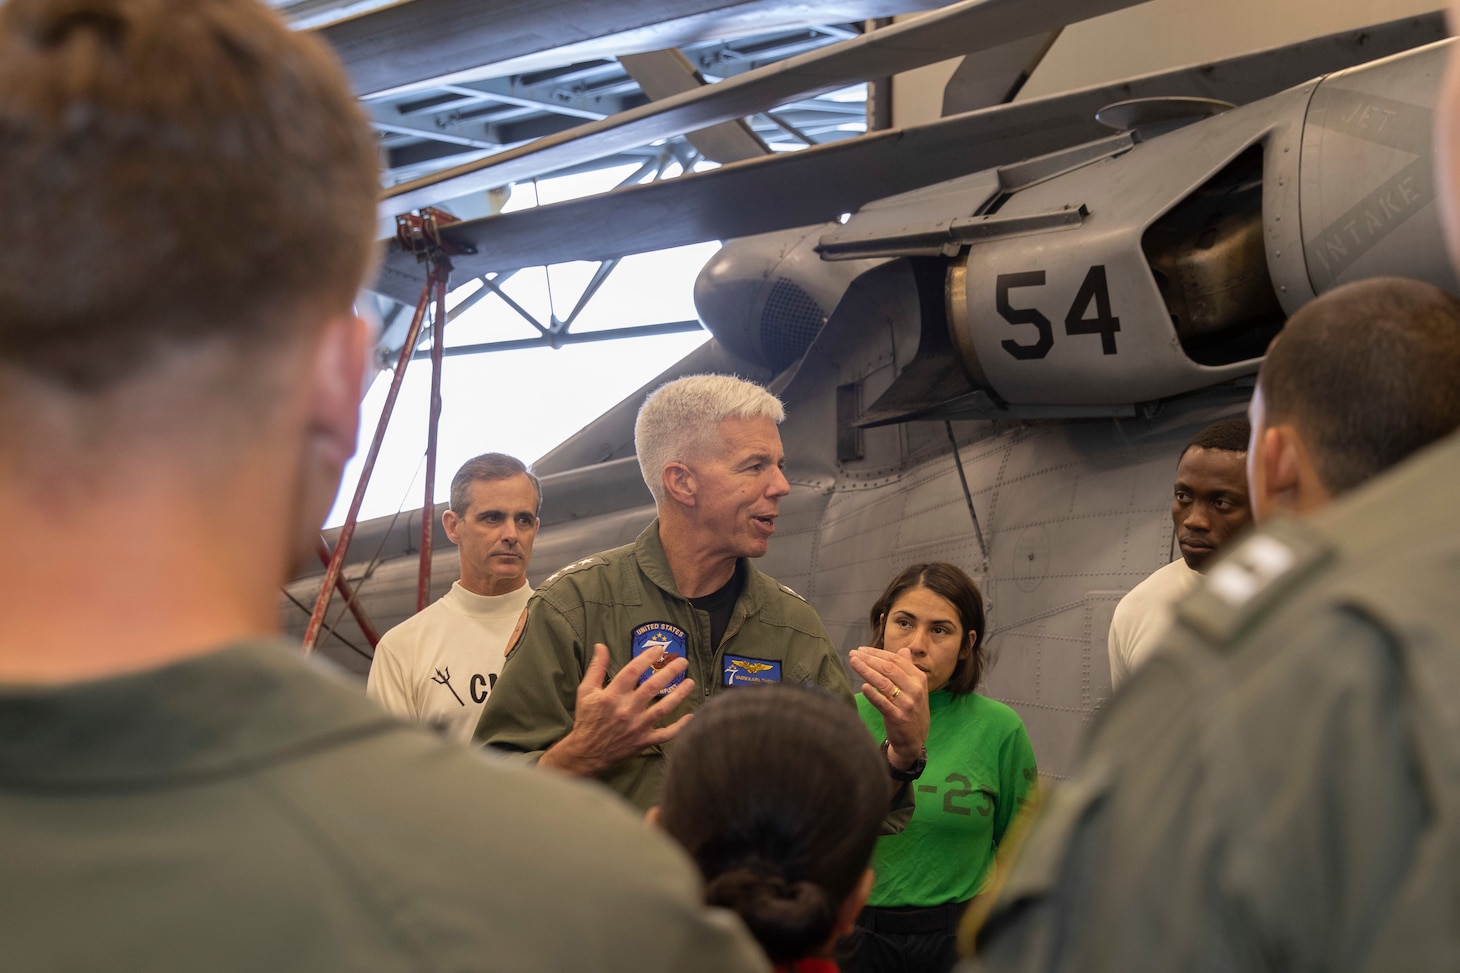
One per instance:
[(489, 466), (679, 421)]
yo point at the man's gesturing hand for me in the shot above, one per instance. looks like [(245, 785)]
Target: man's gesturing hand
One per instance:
[(612, 723)]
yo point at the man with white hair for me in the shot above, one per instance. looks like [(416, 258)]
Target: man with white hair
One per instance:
[(681, 613)]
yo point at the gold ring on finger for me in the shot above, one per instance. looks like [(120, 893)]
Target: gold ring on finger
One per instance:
[(896, 692)]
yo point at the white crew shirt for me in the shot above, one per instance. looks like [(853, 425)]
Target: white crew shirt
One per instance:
[(438, 666), (1143, 616)]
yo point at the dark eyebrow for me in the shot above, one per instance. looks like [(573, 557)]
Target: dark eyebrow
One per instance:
[(930, 621), (1217, 493)]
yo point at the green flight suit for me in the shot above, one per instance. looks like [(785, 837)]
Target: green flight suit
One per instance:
[(240, 811), (1281, 789), (607, 598)]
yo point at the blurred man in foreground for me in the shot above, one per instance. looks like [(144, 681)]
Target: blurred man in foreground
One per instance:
[(1359, 380), (1279, 786), (190, 190)]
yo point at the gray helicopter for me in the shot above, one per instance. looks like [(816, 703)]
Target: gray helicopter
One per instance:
[(999, 367)]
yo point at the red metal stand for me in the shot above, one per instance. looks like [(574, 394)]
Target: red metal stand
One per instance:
[(367, 628), (420, 234), (428, 508)]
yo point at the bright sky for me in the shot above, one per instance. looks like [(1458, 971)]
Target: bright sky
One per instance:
[(526, 402)]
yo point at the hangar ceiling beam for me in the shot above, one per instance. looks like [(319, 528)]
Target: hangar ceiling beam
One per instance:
[(387, 120), (504, 92), (817, 185)]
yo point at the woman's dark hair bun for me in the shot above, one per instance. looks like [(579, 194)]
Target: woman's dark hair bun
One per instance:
[(789, 919), (777, 793)]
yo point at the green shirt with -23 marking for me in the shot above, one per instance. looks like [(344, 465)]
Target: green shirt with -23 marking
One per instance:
[(980, 771)]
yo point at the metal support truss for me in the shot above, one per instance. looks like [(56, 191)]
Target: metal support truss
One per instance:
[(557, 332), (574, 338)]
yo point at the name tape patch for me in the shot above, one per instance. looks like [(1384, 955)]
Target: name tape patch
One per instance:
[(740, 671)]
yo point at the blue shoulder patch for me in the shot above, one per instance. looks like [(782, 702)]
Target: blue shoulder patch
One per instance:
[(665, 640)]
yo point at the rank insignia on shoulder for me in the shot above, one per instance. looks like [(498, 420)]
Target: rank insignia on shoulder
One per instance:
[(1252, 567), (1249, 580), (788, 590), (664, 640), (576, 566), (740, 671)]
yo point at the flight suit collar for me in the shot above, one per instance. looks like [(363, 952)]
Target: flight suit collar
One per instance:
[(211, 715), (654, 563)]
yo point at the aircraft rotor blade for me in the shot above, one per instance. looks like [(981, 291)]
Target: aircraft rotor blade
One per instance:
[(962, 28), (817, 185), (994, 77), (666, 73)]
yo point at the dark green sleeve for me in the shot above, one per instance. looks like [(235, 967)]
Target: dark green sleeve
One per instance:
[(531, 707), (832, 674), (904, 801), (1018, 775)]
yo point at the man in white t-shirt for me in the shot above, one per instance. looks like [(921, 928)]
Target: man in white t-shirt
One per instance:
[(438, 666), (1209, 506)]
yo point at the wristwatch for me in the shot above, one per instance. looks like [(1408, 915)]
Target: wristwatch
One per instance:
[(913, 772)]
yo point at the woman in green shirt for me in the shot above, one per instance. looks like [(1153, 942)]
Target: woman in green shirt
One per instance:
[(980, 771)]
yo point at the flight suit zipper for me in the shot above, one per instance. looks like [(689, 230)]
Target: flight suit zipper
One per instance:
[(737, 622)]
